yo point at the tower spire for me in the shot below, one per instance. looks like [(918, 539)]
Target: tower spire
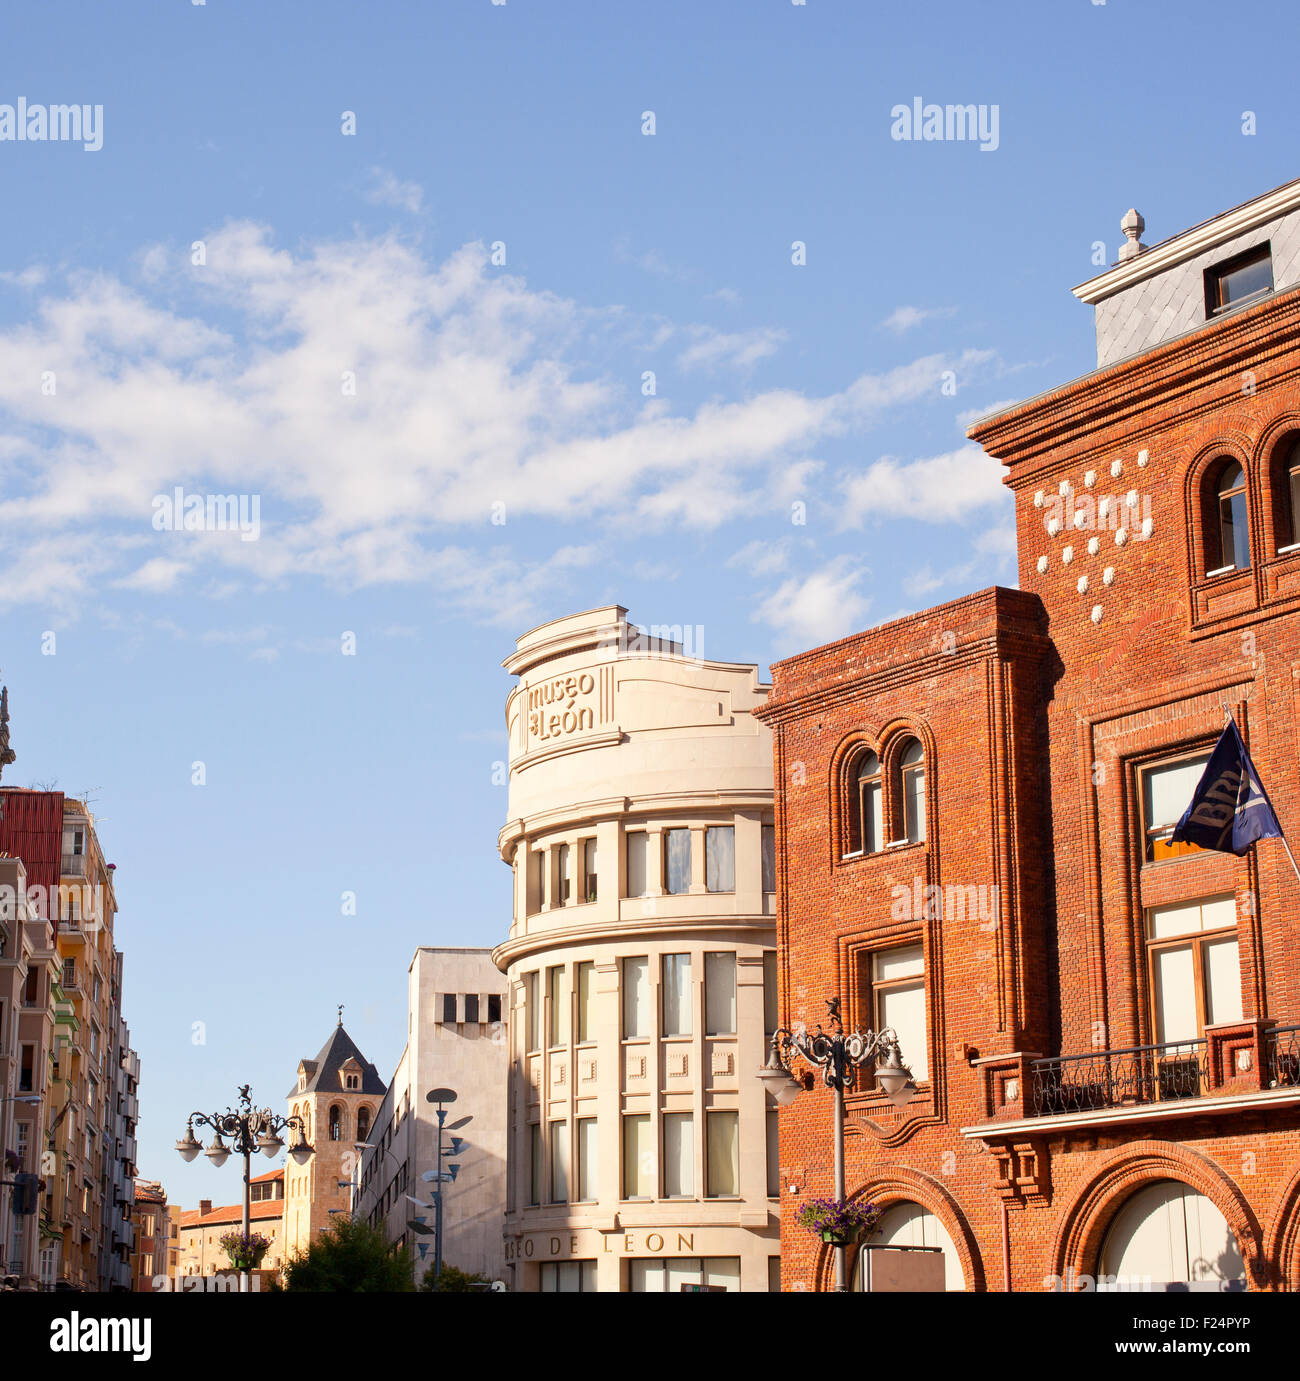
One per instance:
[(7, 754)]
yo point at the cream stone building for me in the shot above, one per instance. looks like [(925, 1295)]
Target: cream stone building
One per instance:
[(456, 1039), (641, 960)]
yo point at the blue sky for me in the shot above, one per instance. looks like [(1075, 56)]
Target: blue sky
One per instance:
[(513, 390)]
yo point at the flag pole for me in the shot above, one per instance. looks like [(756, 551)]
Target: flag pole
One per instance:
[(1285, 844)]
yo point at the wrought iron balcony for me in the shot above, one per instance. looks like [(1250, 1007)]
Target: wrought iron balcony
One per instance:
[(1118, 1078), (1282, 1057)]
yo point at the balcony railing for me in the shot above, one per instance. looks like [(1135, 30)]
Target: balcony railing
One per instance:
[(73, 865), (1282, 1057), (1118, 1078)]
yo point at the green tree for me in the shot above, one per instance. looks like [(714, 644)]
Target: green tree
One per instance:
[(349, 1257), (454, 1281)]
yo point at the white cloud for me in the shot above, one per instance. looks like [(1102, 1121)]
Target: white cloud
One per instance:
[(905, 318), (817, 608), (713, 349), (759, 558), (948, 488), (385, 188), (469, 392)]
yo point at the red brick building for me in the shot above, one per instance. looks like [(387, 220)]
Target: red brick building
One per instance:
[(974, 804)]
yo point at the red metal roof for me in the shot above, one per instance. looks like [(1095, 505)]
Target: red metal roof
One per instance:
[(31, 828)]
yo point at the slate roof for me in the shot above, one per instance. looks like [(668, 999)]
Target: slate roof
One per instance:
[(323, 1071)]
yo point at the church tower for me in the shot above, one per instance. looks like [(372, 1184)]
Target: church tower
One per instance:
[(336, 1095)]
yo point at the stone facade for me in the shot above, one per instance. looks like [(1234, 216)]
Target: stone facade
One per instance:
[(640, 805), (456, 1004)]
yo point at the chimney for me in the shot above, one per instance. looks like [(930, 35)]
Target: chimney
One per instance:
[(205, 1207), (1132, 225)]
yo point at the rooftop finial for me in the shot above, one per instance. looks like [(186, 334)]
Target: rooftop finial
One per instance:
[(1132, 225), (340, 1014), (7, 754)]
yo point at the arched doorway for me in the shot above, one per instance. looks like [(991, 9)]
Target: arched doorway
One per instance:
[(1169, 1235), (907, 1224)]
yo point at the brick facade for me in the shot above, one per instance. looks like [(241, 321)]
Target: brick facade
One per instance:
[(1038, 710)]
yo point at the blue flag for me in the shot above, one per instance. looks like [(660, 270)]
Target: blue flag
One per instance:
[(1230, 809)]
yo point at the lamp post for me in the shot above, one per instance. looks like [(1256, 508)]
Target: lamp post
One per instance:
[(251, 1129), (441, 1097), (837, 1054)]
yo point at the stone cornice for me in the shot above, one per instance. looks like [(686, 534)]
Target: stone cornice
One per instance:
[(1148, 390), (1187, 244), (603, 932)]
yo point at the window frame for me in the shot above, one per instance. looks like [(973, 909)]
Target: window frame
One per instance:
[(1197, 941), (879, 987), (1147, 830), (1215, 275)]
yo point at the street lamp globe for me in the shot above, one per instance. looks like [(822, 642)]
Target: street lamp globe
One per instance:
[(301, 1151), (895, 1079), (217, 1151), (269, 1143), (777, 1079), (189, 1146)]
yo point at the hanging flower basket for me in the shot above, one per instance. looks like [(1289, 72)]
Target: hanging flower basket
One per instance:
[(841, 1223), (245, 1253)]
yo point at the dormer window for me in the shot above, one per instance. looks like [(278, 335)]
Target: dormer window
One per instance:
[(1235, 282), (350, 1081), (302, 1082)]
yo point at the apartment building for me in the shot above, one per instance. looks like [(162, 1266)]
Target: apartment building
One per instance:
[(456, 1024)]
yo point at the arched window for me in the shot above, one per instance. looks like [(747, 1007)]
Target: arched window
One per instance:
[(1228, 525), (909, 1225), (1286, 494), (363, 1123), (867, 808), (336, 1122), (1168, 1234), (912, 791)]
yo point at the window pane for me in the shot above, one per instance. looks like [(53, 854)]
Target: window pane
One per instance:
[(719, 994), (1235, 529), (539, 880), (638, 1158), (1294, 534), (589, 870), (565, 871), (679, 1271), (677, 994), (914, 803), (586, 1002), (1222, 982), (637, 855), (903, 1008), (769, 858), (559, 1162), (1167, 790), (535, 1164), (873, 818), (647, 1277), (677, 861), (636, 998), (724, 1157), (1246, 279), (1175, 996), (449, 1008), (722, 1270), (771, 1020), (532, 1025), (908, 961), (587, 1161), (559, 1004), (773, 1153), (679, 1155), (720, 858)]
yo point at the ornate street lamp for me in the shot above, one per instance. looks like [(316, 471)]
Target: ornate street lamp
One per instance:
[(837, 1054), (251, 1129)]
